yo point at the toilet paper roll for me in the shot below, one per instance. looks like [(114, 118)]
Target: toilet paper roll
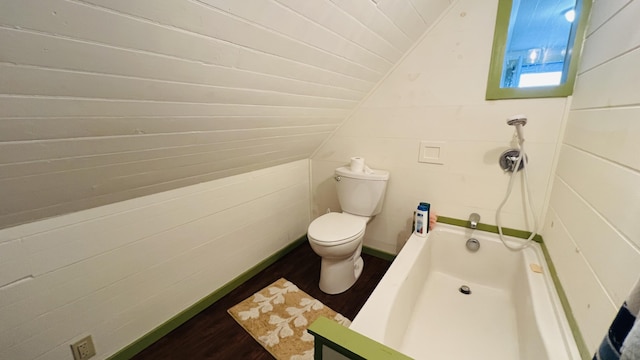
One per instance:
[(357, 164)]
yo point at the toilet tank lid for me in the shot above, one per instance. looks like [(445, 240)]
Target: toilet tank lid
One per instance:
[(336, 226), (380, 175)]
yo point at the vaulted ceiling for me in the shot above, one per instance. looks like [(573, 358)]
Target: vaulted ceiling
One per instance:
[(107, 100)]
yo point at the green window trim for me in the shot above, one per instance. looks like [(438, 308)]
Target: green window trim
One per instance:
[(495, 92)]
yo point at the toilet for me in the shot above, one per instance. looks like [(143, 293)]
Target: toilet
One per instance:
[(337, 237)]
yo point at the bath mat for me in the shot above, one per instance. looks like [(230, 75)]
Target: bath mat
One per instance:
[(278, 316)]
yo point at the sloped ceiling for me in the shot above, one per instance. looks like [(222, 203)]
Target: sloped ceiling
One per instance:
[(107, 100)]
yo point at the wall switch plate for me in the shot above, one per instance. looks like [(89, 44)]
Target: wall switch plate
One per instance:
[(83, 349), (432, 152)]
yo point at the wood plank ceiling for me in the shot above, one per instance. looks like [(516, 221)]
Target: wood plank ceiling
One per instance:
[(106, 100)]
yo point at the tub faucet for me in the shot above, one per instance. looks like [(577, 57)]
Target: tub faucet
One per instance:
[(474, 219)]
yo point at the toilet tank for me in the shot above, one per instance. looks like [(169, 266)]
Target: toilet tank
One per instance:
[(361, 193)]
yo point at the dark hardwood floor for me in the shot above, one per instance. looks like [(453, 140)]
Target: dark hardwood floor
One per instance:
[(214, 334)]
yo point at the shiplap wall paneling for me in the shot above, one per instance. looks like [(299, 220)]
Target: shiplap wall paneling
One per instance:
[(611, 231), (605, 185), (368, 14), (130, 158), (37, 49), (591, 307), (610, 133), (592, 228), (184, 30), (430, 10), (608, 34), (270, 15), (40, 128), (330, 16), (602, 11), (104, 100), (145, 260)]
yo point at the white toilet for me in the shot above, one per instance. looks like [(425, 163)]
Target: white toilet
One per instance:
[(337, 237)]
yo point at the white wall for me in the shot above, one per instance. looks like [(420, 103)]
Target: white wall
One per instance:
[(436, 93), (118, 271), (592, 228)]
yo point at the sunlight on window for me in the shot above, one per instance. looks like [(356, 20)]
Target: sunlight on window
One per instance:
[(536, 47), (540, 79)]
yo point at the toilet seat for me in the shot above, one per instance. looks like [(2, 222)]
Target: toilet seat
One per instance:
[(335, 228)]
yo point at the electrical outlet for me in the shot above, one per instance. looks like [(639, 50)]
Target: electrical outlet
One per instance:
[(83, 349)]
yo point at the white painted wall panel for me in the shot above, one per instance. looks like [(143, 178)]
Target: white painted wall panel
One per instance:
[(22, 151), (610, 133), (171, 85), (599, 242), (270, 14), (37, 49), (595, 197), (437, 94), (221, 42), (21, 80), (14, 262), (40, 167), (605, 186), (590, 305), (404, 15), (41, 128), (52, 188), (618, 35), (366, 12), (215, 24), (430, 10), (607, 86), (326, 14), (48, 106), (171, 249), (603, 10)]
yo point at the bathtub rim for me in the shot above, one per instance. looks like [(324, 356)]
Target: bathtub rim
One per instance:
[(377, 308)]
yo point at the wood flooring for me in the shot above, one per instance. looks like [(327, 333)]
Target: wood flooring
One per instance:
[(214, 334)]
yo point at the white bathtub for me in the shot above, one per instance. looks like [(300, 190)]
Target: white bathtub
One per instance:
[(511, 313)]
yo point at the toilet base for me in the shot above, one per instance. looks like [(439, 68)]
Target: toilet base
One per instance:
[(338, 276)]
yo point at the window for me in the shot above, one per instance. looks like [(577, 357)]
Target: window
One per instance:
[(536, 47)]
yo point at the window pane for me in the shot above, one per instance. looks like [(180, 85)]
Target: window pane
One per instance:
[(538, 43)]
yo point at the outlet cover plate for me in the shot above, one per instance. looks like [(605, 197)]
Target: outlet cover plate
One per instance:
[(83, 349)]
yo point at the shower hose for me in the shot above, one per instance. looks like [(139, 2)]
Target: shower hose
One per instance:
[(527, 199)]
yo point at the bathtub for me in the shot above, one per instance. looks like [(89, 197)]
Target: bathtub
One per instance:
[(513, 311)]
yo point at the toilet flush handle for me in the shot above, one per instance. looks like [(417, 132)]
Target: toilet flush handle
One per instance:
[(338, 178)]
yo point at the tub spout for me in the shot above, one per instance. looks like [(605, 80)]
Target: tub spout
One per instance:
[(474, 219)]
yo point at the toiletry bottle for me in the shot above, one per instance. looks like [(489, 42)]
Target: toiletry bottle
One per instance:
[(427, 209), (422, 220)]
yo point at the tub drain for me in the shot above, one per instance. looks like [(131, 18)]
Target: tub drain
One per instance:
[(465, 289)]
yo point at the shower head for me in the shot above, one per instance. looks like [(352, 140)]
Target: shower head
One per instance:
[(518, 121)]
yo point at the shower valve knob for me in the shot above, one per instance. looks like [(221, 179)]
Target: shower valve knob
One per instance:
[(509, 158)]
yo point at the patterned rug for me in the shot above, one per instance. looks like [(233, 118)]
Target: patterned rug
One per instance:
[(278, 316)]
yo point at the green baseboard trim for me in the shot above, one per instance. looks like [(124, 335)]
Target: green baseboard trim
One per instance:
[(490, 228), (182, 317), (378, 253), (577, 335), (349, 343)]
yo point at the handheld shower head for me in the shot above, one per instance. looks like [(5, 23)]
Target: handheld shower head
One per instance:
[(518, 121)]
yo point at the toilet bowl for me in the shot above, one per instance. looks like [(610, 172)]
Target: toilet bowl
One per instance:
[(337, 239), (337, 236)]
